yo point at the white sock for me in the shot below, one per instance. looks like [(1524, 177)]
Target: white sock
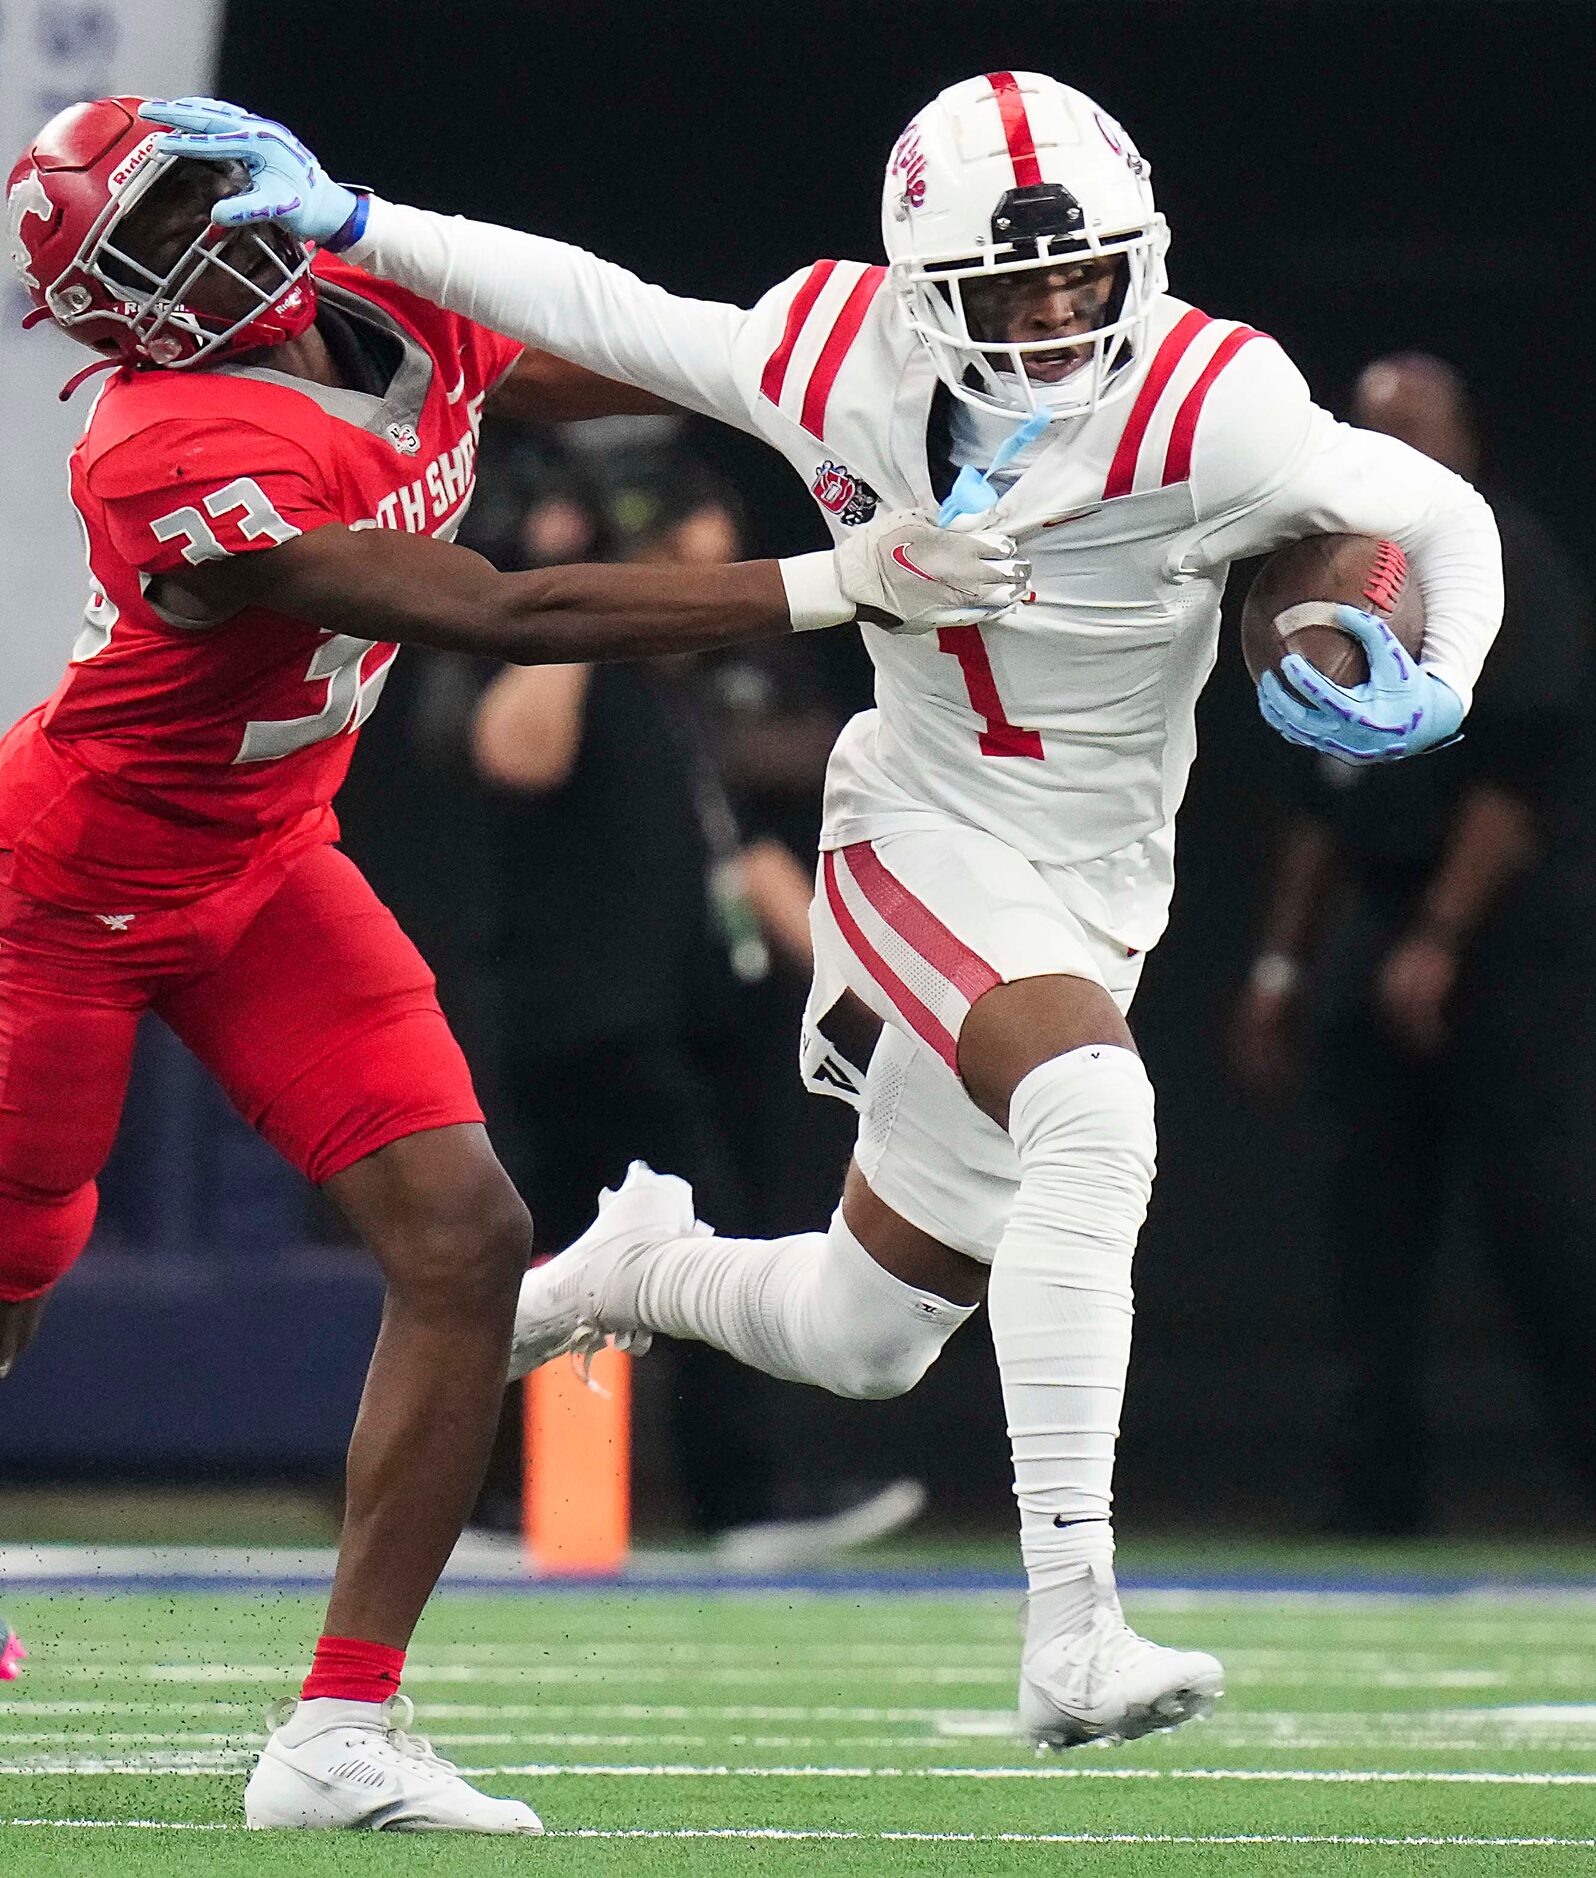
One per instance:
[(329, 1711), (1060, 1304), (812, 1308)]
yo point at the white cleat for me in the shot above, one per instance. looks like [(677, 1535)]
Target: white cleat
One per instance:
[(1105, 1683), (352, 1766), (563, 1305)]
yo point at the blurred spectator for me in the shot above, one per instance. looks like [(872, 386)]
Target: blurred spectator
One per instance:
[(641, 934), (1446, 906)]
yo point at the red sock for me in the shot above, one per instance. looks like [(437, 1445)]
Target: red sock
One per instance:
[(353, 1671)]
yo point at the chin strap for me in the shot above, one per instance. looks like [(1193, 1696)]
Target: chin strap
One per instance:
[(78, 378), (37, 318)]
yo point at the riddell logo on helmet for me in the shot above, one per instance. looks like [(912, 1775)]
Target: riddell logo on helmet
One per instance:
[(908, 163), (131, 162), (838, 491)]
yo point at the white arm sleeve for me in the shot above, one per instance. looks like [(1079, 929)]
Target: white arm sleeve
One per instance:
[(1277, 467), (565, 301)]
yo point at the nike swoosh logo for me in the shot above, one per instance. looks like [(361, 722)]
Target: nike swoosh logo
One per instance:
[(454, 396), (903, 561)]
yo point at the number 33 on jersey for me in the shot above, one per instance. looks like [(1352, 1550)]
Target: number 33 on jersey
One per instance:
[(183, 749)]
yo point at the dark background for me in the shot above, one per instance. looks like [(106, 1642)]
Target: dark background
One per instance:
[(1350, 178)]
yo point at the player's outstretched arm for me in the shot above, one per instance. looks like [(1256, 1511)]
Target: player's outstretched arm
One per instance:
[(552, 297), (900, 571)]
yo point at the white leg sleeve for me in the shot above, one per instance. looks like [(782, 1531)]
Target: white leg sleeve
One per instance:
[(813, 1308), (1060, 1299)]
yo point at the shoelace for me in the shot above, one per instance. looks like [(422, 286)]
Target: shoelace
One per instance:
[(398, 1712), (1107, 1644), (588, 1340)]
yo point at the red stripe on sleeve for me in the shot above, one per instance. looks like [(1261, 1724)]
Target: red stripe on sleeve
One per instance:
[(1177, 459), (835, 350), (912, 920), (1016, 127), (775, 373), (1122, 471), (925, 1024)]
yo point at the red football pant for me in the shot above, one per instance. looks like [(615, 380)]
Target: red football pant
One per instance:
[(294, 986)]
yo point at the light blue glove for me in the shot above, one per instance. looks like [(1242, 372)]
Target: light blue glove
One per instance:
[(287, 185), (1399, 710), (973, 493)]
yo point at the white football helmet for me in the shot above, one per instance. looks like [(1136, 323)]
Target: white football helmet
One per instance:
[(1010, 172)]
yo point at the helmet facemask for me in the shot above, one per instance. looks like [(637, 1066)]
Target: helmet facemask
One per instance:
[(1038, 228), (259, 275)]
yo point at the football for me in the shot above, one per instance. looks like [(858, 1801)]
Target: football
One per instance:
[(1291, 606)]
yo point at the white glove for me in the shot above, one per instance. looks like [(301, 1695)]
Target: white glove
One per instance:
[(906, 574)]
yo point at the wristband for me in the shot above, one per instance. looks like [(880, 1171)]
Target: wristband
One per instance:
[(352, 229), (814, 593)]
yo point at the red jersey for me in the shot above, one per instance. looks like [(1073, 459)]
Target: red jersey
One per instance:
[(173, 755)]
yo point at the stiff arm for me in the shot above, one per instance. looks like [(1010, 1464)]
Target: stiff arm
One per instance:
[(900, 569), (563, 300), (377, 583)]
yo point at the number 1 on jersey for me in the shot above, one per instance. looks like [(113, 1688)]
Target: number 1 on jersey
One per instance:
[(1000, 738)]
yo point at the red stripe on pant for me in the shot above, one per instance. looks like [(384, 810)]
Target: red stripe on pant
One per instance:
[(924, 1022), (912, 920)]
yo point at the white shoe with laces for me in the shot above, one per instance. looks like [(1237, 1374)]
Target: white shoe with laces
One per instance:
[(563, 1305), (1105, 1683), (354, 1766)]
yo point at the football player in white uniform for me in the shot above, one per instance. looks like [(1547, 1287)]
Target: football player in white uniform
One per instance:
[(998, 840)]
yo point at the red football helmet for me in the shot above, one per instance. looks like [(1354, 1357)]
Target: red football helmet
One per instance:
[(66, 200)]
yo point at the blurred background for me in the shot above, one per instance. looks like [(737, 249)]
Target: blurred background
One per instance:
[(1357, 180)]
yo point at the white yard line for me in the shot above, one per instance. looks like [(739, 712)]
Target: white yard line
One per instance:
[(221, 1760), (22, 1710), (1570, 1672), (650, 1672), (919, 1838)]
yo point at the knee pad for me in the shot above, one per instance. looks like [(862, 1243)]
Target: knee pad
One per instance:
[(41, 1235), (871, 1335)]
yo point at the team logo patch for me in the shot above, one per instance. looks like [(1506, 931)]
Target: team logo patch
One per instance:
[(839, 492), (404, 439)]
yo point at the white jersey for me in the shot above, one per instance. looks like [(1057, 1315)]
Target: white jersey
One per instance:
[(1066, 728)]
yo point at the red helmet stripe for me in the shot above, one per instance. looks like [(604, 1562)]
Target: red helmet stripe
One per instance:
[(1016, 127), (1122, 471), (1177, 459), (818, 391)]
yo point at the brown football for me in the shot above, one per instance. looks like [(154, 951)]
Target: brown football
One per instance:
[(1292, 602)]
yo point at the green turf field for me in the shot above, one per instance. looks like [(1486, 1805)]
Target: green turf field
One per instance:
[(846, 1732)]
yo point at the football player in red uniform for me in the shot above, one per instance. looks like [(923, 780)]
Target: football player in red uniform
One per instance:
[(269, 487)]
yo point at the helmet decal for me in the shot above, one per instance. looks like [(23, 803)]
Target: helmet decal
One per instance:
[(908, 166), (28, 196)]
